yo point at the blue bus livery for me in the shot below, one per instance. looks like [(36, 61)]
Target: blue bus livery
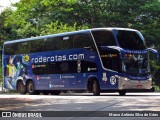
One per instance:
[(97, 60)]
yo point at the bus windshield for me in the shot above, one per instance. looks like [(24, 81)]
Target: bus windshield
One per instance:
[(132, 40), (136, 64)]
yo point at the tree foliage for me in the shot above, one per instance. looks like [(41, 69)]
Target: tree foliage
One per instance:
[(40, 17)]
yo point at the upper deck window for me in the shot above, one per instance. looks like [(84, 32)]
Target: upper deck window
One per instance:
[(104, 38), (83, 40)]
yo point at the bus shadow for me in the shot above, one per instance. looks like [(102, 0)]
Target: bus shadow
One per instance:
[(112, 94)]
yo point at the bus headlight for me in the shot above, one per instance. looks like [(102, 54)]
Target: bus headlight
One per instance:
[(126, 79)]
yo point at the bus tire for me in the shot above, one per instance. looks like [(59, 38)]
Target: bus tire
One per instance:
[(95, 88), (55, 92), (21, 88), (122, 92), (30, 88)]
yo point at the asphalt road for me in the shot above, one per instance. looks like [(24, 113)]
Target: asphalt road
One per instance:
[(83, 102)]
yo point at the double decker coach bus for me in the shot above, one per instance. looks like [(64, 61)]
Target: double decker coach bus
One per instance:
[(97, 60)]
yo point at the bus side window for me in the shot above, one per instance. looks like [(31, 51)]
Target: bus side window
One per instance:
[(36, 45), (11, 49), (66, 42), (104, 38), (52, 44), (69, 67), (39, 69), (87, 66), (23, 48), (7, 49), (83, 41)]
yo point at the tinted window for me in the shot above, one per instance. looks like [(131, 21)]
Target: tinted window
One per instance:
[(69, 67), (52, 44), (61, 67), (64, 67), (11, 49), (111, 60), (24, 48), (36, 45), (88, 67), (55, 67), (39, 69), (104, 38), (58, 43), (66, 42), (130, 40), (83, 41), (7, 49)]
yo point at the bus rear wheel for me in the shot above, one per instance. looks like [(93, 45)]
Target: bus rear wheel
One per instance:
[(95, 88), (30, 88), (21, 88)]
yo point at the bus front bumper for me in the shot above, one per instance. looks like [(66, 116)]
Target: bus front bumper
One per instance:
[(135, 85)]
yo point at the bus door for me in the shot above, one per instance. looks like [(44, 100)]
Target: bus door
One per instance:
[(111, 61)]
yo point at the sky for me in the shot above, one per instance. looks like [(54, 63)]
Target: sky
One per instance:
[(6, 3)]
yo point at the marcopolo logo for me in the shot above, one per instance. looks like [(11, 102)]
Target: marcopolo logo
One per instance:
[(56, 58)]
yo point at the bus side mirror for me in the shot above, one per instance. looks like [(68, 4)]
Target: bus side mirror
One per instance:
[(155, 52)]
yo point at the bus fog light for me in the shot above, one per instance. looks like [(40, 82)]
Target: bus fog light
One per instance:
[(126, 79)]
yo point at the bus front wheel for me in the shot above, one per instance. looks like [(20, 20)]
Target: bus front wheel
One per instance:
[(21, 88), (95, 88)]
